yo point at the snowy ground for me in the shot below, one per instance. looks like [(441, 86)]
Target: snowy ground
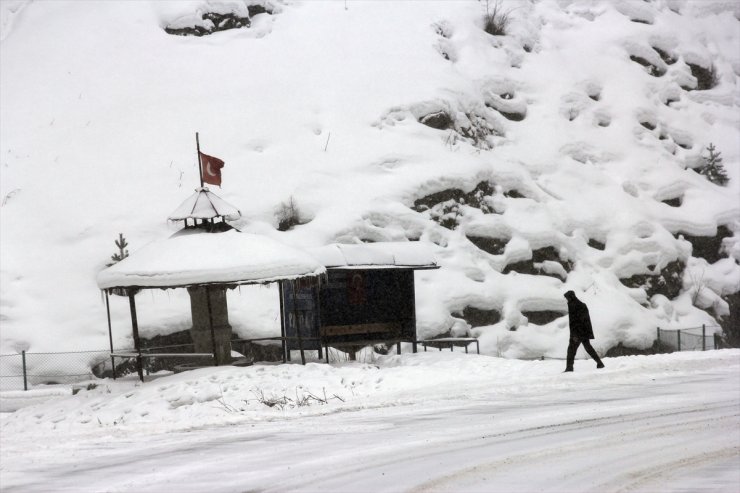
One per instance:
[(416, 422)]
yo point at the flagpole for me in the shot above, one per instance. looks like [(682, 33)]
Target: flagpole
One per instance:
[(200, 165)]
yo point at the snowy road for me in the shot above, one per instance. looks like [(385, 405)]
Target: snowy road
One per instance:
[(603, 433)]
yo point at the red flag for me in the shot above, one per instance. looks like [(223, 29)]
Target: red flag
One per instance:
[(211, 169)]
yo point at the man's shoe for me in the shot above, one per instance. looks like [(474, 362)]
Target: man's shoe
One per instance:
[(599, 365), (568, 369)]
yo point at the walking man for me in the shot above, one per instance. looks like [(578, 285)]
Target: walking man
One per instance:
[(580, 330)]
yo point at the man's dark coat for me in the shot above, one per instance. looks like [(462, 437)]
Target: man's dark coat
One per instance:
[(580, 321)]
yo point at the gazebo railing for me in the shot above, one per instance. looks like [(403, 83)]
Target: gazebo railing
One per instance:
[(153, 359)]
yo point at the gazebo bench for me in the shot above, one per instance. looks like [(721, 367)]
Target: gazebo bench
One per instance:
[(451, 342)]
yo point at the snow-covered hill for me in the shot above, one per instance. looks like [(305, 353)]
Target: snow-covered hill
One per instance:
[(558, 156)]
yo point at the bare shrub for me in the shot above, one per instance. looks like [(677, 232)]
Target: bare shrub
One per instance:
[(697, 284), (496, 20), (302, 399), (288, 215)]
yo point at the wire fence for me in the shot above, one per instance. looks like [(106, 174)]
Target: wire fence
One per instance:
[(25, 370), (700, 338)]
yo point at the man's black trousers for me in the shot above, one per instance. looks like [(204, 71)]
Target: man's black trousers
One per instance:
[(573, 347)]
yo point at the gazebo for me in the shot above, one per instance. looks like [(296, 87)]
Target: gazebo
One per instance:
[(206, 258)]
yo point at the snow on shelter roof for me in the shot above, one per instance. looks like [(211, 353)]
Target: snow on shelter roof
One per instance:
[(191, 257), (412, 255), (204, 204)]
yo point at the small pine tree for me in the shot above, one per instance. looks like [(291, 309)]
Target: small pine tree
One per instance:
[(713, 168), (121, 243)]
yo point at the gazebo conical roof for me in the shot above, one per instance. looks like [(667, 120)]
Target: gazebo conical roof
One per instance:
[(196, 258), (204, 204)]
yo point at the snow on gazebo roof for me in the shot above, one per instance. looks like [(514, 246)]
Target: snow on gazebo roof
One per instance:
[(193, 257), (412, 255), (204, 204)]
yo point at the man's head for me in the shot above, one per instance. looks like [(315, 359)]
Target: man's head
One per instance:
[(570, 295)]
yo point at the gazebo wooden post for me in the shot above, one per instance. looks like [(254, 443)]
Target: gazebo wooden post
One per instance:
[(282, 321), (210, 325), (135, 329), (110, 336), (297, 323)]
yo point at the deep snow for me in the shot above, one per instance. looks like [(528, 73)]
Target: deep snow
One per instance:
[(436, 421)]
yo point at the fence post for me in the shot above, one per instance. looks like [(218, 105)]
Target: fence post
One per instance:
[(716, 341), (703, 337), (678, 333), (25, 373), (658, 338)]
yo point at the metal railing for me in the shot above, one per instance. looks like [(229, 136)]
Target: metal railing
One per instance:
[(175, 357), (24, 370), (700, 338)]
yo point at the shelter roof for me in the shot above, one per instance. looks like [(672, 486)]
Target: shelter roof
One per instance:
[(204, 204), (413, 255), (193, 257)]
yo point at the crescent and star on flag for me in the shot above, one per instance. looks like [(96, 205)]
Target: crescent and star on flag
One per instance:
[(211, 169), (210, 166)]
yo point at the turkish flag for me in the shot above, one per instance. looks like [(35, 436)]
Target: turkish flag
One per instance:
[(211, 169)]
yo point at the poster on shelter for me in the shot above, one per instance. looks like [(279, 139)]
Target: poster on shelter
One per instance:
[(356, 289), (300, 314)]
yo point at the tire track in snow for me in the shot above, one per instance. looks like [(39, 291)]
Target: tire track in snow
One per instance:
[(346, 468), (580, 477), (647, 477)]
